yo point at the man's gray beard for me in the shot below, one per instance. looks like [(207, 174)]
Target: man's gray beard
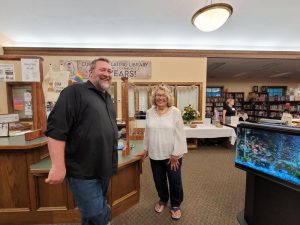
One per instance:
[(105, 86)]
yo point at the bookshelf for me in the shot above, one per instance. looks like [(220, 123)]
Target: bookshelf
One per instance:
[(276, 107), (271, 108), (214, 103), (217, 103), (257, 105)]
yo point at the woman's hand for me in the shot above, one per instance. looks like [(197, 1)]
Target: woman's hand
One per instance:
[(174, 162), (144, 154)]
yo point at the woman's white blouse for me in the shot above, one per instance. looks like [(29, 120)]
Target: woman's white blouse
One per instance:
[(164, 135)]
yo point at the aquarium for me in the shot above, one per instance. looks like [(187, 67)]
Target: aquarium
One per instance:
[(272, 151)]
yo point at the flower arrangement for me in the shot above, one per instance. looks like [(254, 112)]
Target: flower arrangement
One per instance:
[(189, 114)]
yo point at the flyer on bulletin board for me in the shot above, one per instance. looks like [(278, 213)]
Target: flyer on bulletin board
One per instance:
[(30, 70), (7, 72)]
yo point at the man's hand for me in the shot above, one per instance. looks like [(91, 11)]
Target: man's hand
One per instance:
[(144, 154), (57, 172), (174, 162), (56, 175)]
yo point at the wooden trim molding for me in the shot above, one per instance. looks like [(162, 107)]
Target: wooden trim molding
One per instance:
[(19, 57), (149, 52)]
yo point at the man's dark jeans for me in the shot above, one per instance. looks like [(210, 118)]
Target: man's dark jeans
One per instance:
[(90, 196)]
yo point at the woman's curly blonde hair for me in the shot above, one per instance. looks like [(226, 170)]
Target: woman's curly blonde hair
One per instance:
[(168, 94)]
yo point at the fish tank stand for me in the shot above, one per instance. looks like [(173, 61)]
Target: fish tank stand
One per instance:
[(269, 203), (270, 156)]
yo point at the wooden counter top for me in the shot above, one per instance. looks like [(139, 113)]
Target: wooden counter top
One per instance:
[(18, 142), (44, 165)]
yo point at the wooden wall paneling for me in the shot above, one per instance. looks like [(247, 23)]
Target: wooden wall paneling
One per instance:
[(126, 150), (124, 184), (115, 84), (175, 95), (15, 190), (44, 196), (35, 102), (40, 217), (149, 96), (39, 113), (125, 188), (123, 100), (50, 197), (136, 101), (71, 200), (9, 98), (32, 157)]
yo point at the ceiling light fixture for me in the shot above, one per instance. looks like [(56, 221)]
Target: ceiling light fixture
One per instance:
[(212, 17)]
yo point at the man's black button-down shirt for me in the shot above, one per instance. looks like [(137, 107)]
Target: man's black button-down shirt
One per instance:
[(85, 119)]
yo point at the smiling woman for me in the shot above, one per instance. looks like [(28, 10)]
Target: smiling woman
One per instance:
[(165, 143)]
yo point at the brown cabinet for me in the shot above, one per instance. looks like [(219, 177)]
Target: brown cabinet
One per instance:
[(26, 198)]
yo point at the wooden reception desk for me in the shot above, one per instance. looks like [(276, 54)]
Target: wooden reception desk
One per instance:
[(26, 199)]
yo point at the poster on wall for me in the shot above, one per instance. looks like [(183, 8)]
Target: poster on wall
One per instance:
[(7, 72), (70, 66), (83, 67), (138, 69), (30, 70), (53, 83)]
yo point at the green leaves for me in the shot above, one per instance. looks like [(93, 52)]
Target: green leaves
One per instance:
[(189, 113)]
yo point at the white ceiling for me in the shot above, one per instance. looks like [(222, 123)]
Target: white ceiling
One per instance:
[(272, 25)]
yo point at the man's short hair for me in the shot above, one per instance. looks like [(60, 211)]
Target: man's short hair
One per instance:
[(93, 63)]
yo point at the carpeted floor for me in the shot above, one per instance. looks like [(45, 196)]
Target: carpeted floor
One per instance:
[(213, 187)]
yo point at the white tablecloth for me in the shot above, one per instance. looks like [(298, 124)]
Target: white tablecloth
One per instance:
[(210, 131)]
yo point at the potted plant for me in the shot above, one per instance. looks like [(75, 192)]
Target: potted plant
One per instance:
[(189, 114)]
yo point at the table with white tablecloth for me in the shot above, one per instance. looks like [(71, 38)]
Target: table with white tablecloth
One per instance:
[(210, 131)]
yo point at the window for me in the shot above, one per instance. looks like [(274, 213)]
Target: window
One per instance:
[(214, 91), (139, 96), (187, 95), (276, 91)]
